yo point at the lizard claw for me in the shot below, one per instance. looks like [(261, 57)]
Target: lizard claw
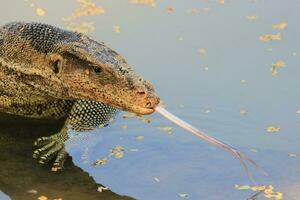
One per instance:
[(51, 147)]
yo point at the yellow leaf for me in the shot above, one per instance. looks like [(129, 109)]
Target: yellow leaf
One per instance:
[(222, 2), (252, 17), (269, 37), (280, 26), (101, 161), (273, 129), (40, 12), (275, 66), (42, 198), (101, 189), (150, 3), (117, 29), (242, 187), (202, 51)]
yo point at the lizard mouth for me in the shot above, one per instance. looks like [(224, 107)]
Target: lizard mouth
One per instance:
[(145, 108), (141, 110)]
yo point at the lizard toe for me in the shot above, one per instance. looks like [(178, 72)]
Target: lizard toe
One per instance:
[(60, 159), (38, 152), (51, 153)]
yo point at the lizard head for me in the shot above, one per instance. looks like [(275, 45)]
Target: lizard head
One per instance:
[(68, 65), (94, 71)]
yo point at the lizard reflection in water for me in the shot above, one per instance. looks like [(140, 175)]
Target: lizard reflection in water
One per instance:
[(22, 179), (50, 73)]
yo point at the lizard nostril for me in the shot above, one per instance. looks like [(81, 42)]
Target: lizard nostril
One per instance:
[(149, 105), (141, 93)]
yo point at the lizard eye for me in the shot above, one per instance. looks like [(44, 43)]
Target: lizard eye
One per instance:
[(97, 70)]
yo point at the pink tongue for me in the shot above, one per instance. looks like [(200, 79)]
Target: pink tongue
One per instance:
[(237, 154)]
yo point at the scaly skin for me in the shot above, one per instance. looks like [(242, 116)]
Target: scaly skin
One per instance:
[(50, 73)]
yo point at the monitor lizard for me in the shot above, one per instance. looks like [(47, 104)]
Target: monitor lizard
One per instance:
[(50, 73)]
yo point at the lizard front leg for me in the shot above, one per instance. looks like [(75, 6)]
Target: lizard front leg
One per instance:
[(84, 116)]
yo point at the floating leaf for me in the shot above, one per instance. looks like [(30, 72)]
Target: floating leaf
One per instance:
[(222, 2), (100, 161), (102, 188), (157, 179), (275, 66), (117, 152), (183, 195), (252, 17), (167, 129), (242, 187), (267, 190), (32, 191), (117, 29), (273, 129), (42, 198), (139, 138), (150, 3), (202, 51), (169, 9), (269, 37), (86, 8), (292, 155), (280, 26), (40, 12)]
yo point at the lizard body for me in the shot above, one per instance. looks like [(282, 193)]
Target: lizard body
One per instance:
[(47, 72)]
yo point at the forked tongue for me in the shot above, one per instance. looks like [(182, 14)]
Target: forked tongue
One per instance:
[(236, 153)]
